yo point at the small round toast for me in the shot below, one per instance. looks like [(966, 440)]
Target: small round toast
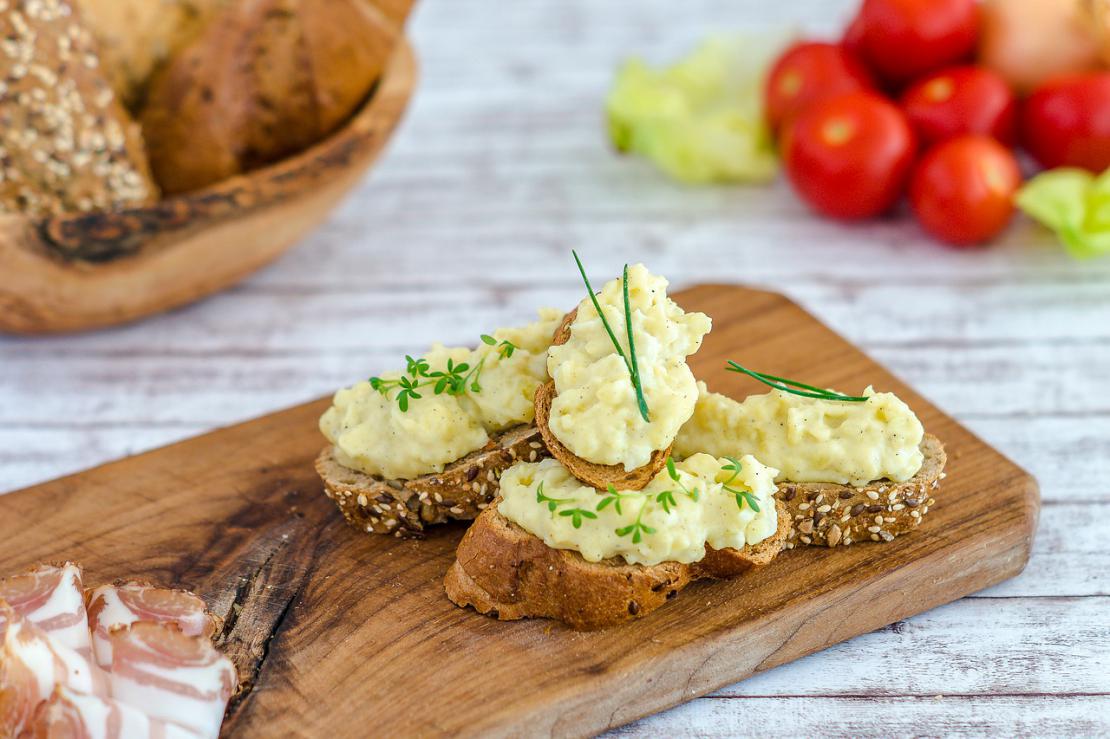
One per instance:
[(599, 476), (505, 572)]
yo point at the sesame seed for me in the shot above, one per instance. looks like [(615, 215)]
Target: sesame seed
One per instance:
[(872, 495), (825, 508), (874, 529)]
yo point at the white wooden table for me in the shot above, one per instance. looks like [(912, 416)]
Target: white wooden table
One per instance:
[(501, 168)]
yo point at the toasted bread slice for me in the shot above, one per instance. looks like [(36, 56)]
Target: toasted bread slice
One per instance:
[(404, 507), (505, 572), (598, 476), (836, 515)]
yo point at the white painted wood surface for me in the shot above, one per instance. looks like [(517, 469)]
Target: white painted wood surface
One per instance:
[(501, 167)]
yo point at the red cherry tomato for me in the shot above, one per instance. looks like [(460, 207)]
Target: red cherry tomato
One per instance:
[(809, 71), (853, 38), (962, 190), (961, 100), (1066, 122), (848, 156), (904, 39)]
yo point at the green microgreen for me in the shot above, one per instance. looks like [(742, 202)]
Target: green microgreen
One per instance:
[(672, 472), (505, 348), (733, 466), (614, 499), (794, 387), (630, 361), (637, 528), (456, 379), (552, 503), (576, 515), (666, 499)]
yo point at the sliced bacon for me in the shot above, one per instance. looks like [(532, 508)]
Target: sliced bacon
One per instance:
[(72, 715), (124, 603), (174, 677), (52, 598), (32, 663)]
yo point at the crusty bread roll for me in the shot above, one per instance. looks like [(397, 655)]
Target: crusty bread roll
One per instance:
[(137, 36), (266, 79), (66, 144)]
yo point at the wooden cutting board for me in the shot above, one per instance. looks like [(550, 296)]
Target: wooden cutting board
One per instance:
[(346, 634)]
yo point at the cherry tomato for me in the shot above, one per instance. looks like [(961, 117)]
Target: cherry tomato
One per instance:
[(1066, 122), (848, 156), (962, 190), (961, 100), (853, 38), (810, 71), (904, 39)]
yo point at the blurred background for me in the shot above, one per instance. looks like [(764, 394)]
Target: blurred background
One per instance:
[(501, 166)]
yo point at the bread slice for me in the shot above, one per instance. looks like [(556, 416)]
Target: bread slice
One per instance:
[(826, 514), (599, 476), (66, 143), (505, 572), (405, 507)]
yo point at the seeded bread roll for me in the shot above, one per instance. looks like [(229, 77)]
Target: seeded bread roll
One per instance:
[(595, 475), (505, 572), (138, 36), (405, 507), (825, 514), (266, 79), (66, 144)]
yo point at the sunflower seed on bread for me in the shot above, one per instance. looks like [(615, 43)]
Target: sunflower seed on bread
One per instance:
[(405, 507), (505, 572), (598, 476), (827, 514)]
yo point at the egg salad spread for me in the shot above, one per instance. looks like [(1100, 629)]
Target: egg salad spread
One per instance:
[(808, 439), (699, 501), (595, 412), (443, 406)]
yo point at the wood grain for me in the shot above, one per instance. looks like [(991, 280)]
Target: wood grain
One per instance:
[(331, 625), (82, 271)]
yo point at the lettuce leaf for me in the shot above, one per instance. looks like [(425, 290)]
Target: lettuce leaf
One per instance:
[(1073, 203), (701, 119)]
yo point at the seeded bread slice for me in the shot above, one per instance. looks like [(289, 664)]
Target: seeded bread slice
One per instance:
[(405, 507), (505, 572), (598, 476), (826, 514)]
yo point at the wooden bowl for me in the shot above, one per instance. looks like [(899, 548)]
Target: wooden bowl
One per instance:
[(82, 271)]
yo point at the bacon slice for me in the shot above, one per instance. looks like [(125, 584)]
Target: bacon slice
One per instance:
[(72, 715), (174, 677), (124, 603), (52, 598), (32, 663)]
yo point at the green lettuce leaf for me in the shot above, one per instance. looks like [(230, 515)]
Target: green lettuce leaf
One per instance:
[(701, 119), (1073, 203)]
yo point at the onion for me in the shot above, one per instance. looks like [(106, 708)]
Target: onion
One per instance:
[(1028, 41)]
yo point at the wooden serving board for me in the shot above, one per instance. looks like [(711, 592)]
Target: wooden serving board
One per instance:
[(342, 634)]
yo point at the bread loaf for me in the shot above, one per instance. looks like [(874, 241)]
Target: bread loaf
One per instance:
[(266, 79), (66, 143), (137, 36)]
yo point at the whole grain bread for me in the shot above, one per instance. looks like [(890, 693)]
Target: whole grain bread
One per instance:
[(266, 79), (505, 572), (66, 143), (405, 507), (826, 514), (598, 476)]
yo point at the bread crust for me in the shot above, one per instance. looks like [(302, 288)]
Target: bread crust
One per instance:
[(598, 476), (505, 572), (404, 508), (827, 514), (264, 79)]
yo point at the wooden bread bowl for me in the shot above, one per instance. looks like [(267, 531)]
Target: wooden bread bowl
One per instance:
[(89, 270)]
